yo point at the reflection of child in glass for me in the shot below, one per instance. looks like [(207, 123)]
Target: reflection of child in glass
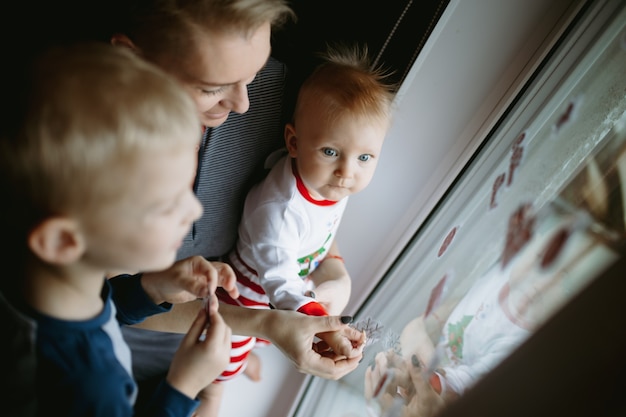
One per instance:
[(547, 257), (290, 219), (475, 337), (98, 185)]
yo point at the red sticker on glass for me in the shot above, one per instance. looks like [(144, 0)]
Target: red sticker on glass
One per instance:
[(497, 184), (519, 232), (447, 241), (568, 115), (436, 295), (517, 154)]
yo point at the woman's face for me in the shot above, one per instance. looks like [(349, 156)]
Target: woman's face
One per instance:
[(220, 70)]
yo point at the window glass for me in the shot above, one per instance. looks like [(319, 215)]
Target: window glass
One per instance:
[(538, 214)]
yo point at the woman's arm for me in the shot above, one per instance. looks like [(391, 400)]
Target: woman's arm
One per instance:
[(292, 332)]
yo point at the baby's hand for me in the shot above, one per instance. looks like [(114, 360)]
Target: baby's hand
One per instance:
[(332, 294), (342, 343), (198, 362)]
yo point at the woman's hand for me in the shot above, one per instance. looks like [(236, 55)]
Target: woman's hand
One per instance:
[(294, 335)]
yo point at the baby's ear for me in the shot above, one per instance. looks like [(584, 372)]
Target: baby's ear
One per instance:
[(57, 241), (290, 139)]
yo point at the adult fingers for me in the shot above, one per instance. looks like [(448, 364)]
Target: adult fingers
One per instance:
[(335, 323), (326, 366)]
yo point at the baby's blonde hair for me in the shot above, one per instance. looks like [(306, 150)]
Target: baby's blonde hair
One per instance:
[(88, 113), (168, 27), (346, 83)]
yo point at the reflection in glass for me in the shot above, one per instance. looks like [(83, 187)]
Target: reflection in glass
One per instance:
[(560, 249), (566, 189), (539, 214)]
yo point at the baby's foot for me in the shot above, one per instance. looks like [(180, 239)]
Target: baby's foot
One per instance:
[(253, 369)]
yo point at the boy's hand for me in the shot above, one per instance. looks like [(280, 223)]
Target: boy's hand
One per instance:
[(198, 362), (188, 280)]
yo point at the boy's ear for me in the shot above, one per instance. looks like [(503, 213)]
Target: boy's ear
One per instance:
[(57, 241), (124, 41), (290, 139)]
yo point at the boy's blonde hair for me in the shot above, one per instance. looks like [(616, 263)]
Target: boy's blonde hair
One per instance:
[(169, 27), (88, 112), (346, 83)]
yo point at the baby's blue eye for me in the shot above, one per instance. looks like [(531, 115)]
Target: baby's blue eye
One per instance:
[(329, 152), (365, 157)]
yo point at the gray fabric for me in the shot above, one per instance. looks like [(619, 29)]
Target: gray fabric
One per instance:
[(231, 158)]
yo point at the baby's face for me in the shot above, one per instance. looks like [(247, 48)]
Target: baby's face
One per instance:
[(338, 159)]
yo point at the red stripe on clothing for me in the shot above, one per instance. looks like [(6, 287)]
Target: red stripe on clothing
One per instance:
[(240, 344), (241, 301), (313, 309), (304, 192), (226, 374), (246, 302), (223, 296), (240, 358), (244, 280), (245, 265)]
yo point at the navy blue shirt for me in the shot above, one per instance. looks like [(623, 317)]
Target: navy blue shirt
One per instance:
[(84, 367)]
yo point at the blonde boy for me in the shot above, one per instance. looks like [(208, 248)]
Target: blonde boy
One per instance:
[(97, 168)]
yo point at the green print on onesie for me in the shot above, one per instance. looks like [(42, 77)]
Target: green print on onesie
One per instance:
[(456, 332), (309, 262)]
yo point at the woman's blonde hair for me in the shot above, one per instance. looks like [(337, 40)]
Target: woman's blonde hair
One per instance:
[(169, 27)]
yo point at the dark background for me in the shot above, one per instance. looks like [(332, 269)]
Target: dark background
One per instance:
[(395, 29)]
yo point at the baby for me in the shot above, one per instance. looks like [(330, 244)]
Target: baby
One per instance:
[(290, 219)]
